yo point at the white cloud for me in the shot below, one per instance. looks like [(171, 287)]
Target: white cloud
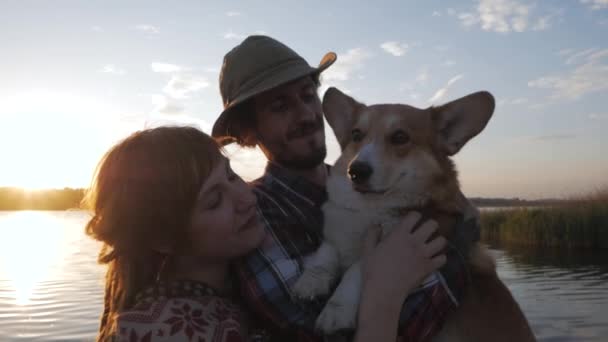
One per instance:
[(468, 19), (345, 66), (233, 14), (554, 137), (542, 24), (405, 86), (439, 94), (436, 14), (423, 76), (598, 116), (182, 85), (97, 28), (112, 69), (590, 75), (595, 4), (395, 48), (565, 52), (576, 57), (505, 16), (147, 28), (157, 119), (166, 105), (164, 67), (212, 69), (232, 35), (448, 63), (515, 101)]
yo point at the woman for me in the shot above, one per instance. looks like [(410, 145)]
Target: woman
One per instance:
[(172, 215)]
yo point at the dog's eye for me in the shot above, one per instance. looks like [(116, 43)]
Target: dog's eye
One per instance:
[(400, 138), (357, 135)]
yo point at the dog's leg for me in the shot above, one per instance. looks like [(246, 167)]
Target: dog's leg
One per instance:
[(340, 312), (320, 270)]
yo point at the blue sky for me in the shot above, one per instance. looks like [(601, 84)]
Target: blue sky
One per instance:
[(79, 75)]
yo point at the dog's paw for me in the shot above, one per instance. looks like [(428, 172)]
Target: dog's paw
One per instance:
[(336, 317), (309, 286)]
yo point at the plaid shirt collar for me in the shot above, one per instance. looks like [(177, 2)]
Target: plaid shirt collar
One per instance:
[(313, 192)]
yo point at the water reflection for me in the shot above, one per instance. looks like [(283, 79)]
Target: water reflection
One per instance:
[(564, 293), (50, 284), (32, 250)]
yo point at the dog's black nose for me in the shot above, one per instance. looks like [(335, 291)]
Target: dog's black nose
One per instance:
[(360, 172)]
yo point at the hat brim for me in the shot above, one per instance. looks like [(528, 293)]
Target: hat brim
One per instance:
[(285, 75)]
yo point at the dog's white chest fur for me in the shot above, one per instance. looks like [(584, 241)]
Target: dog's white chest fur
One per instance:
[(348, 215)]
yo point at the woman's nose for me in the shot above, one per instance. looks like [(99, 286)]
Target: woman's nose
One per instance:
[(245, 197)]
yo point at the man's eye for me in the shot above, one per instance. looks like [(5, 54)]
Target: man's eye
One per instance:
[(357, 135), (308, 97), (280, 106)]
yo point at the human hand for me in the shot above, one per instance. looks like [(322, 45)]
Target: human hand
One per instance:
[(391, 268)]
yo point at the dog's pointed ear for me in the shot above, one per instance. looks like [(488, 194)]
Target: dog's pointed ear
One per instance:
[(341, 113), (460, 120)]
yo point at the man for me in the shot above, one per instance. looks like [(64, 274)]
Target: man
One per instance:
[(270, 100)]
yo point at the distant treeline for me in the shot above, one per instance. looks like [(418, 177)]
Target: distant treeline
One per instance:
[(514, 202), (55, 199)]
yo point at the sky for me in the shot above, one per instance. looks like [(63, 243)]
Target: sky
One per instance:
[(78, 76)]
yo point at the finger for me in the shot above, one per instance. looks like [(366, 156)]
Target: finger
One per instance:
[(438, 261), (372, 237), (425, 231), (409, 221), (435, 246)]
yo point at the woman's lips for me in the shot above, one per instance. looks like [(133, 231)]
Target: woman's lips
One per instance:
[(251, 222)]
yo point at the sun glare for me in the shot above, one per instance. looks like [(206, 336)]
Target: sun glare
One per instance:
[(51, 139), (32, 250)]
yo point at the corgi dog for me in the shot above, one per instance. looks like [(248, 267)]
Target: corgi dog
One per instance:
[(396, 158)]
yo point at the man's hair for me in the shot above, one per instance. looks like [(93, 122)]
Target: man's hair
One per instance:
[(241, 125)]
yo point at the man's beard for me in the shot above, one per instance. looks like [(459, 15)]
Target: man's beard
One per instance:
[(312, 160)]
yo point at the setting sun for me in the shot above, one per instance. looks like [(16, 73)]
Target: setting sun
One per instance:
[(51, 139)]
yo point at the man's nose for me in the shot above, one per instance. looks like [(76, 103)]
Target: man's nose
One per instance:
[(305, 112)]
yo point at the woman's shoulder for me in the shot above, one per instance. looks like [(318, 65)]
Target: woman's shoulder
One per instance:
[(206, 318)]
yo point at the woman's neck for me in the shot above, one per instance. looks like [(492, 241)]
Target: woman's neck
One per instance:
[(214, 274)]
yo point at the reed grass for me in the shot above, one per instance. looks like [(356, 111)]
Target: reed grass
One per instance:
[(580, 222)]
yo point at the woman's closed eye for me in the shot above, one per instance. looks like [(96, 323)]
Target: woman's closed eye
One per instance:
[(214, 200)]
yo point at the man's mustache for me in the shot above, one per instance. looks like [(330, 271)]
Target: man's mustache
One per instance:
[(305, 128)]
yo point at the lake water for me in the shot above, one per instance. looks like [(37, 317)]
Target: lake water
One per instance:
[(51, 286)]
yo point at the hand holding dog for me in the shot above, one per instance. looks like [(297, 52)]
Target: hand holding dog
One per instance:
[(391, 268)]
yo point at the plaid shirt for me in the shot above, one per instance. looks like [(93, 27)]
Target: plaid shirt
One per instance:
[(291, 210)]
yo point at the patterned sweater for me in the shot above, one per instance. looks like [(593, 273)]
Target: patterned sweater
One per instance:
[(182, 311)]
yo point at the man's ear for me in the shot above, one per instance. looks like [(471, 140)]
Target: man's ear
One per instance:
[(341, 112), (458, 121)]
